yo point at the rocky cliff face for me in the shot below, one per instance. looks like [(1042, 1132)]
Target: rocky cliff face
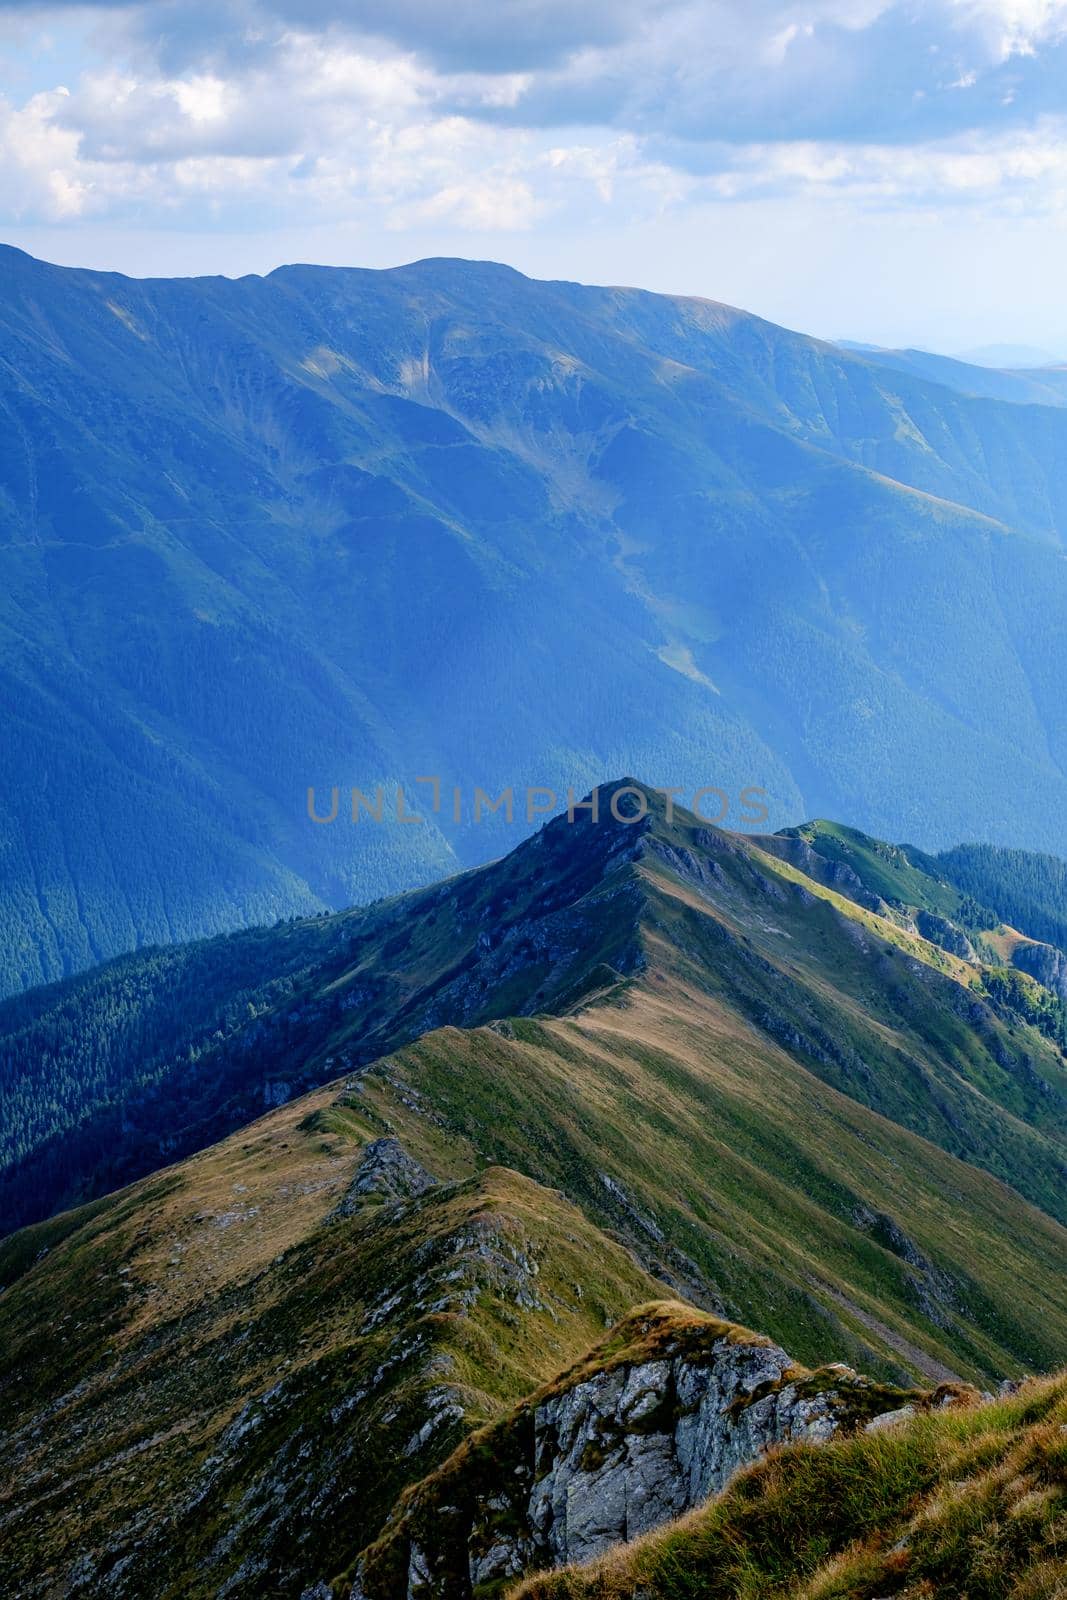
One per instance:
[(941, 931), (1045, 963), (651, 1425)]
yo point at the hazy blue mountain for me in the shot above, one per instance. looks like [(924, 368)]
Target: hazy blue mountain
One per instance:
[(1041, 386), (348, 527), (1009, 355)]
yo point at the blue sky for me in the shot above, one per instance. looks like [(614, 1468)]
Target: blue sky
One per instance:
[(862, 168)]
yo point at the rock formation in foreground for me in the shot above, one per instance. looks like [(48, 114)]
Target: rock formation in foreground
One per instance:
[(654, 1421)]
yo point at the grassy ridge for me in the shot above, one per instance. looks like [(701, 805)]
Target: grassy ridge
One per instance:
[(213, 1330), (151, 1057), (735, 1172)]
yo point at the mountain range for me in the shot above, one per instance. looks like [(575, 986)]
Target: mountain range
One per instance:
[(347, 528), (544, 1142)]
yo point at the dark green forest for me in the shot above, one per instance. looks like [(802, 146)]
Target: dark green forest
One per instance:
[(1028, 889)]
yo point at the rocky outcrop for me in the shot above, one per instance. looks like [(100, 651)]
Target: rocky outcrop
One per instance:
[(654, 1422), (629, 1448), (385, 1172), (836, 875), (945, 934), (1043, 962)]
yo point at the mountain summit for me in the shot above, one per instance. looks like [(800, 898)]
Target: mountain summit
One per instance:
[(633, 949)]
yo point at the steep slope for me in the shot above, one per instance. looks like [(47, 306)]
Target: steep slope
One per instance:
[(971, 901), (259, 1354), (339, 527), (957, 1503), (756, 1093), (746, 1184), (136, 1063), (227, 1339)]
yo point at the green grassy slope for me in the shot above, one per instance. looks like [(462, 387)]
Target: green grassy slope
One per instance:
[(742, 1179), (900, 876), (223, 1345), (650, 1057), (221, 1351), (150, 1057), (705, 925)]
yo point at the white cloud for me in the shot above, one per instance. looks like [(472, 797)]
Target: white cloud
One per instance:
[(627, 111), (40, 174), (484, 204), (1015, 27), (202, 98)]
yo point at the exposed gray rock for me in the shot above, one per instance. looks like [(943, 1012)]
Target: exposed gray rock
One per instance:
[(385, 1172), (945, 934), (629, 1209), (610, 1455), (637, 1445), (1045, 963)]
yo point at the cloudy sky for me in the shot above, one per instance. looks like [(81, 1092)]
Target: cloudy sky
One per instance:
[(864, 168)]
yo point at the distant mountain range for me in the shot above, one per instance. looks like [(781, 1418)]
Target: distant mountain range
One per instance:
[(1009, 355), (576, 1120), (337, 527)]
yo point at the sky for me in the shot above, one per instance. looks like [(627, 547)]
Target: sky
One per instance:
[(883, 171)]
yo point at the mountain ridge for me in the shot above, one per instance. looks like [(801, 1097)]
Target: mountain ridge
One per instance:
[(248, 523), (644, 952), (171, 1050), (640, 1059)]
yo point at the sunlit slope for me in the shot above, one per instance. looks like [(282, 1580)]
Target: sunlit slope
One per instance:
[(635, 1058), (144, 1061), (746, 1183), (225, 1338)]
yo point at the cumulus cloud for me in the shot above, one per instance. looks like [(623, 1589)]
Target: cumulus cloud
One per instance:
[(484, 115), (42, 174)]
